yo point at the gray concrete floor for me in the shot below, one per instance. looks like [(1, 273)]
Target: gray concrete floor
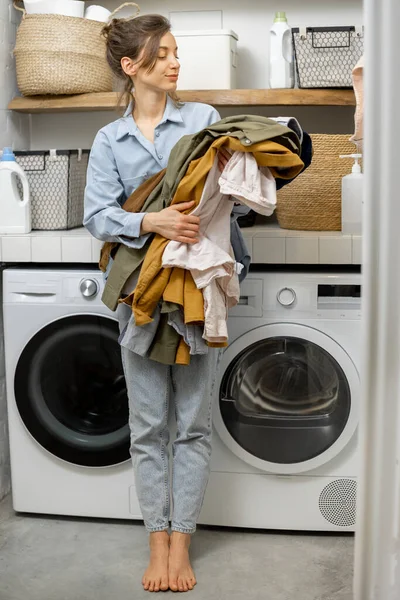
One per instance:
[(53, 558)]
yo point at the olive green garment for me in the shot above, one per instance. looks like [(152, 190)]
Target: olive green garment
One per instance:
[(166, 341), (165, 344)]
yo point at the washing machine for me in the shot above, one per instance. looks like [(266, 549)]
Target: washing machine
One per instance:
[(287, 405), (66, 396)]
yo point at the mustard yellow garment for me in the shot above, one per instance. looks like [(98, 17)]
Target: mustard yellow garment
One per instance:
[(177, 285), (182, 353)]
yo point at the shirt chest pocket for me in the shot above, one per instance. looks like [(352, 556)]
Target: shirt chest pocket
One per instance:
[(132, 183)]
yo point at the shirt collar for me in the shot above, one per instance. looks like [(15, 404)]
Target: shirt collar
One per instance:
[(171, 112), (127, 125)]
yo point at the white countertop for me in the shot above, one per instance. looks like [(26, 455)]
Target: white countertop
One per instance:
[(267, 243)]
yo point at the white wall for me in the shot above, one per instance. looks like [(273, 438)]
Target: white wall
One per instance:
[(14, 130), (14, 127), (251, 21)]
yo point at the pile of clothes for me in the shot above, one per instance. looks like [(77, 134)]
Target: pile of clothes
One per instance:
[(180, 294)]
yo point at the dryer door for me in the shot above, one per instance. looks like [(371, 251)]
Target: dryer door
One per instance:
[(70, 391), (288, 398)]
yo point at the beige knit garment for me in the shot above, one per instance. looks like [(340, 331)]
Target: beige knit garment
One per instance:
[(358, 84)]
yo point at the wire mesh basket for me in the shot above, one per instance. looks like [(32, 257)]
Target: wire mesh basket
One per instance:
[(326, 56), (57, 182)]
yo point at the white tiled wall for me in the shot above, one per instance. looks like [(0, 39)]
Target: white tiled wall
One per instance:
[(14, 131)]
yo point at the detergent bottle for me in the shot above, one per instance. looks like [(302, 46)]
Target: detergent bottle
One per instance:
[(15, 213), (281, 53)]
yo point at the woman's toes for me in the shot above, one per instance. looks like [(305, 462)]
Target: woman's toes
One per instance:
[(164, 584), (157, 585), (173, 585), (151, 586), (146, 583)]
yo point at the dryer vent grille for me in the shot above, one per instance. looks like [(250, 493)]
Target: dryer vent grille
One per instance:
[(337, 502)]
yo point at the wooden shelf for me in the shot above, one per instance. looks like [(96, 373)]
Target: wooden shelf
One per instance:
[(108, 100)]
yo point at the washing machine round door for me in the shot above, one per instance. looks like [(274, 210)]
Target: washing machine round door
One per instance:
[(288, 398), (70, 391)]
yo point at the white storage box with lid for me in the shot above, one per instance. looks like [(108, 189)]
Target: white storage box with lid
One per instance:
[(208, 59)]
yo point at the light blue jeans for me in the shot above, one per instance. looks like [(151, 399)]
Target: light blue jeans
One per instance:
[(151, 386)]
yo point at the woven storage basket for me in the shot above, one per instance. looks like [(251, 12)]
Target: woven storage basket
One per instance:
[(313, 200), (61, 55)]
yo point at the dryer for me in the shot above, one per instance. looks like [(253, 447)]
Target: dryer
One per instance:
[(287, 408)]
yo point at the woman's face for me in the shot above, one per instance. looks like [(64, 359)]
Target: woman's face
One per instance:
[(164, 76)]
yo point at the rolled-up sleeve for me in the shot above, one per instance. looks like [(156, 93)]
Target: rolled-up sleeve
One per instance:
[(214, 117), (103, 215)]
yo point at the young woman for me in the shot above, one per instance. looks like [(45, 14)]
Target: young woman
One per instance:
[(125, 153)]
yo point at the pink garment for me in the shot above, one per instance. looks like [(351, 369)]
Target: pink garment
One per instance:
[(248, 183), (211, 261), (358, 84)]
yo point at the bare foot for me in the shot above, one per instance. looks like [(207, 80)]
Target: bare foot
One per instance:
[(156, 575), (180, 573)]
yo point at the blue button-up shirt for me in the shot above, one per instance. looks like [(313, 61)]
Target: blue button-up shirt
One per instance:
[(122, 158)]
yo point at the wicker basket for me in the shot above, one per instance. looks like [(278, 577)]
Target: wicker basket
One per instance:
[(57, 55), (313, 200)]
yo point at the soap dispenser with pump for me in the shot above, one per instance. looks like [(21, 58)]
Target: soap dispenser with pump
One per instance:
[(352, 197)]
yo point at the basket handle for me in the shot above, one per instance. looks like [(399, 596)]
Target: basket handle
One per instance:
[(15, 4), (314, 45), (119, 8), (20, 9)]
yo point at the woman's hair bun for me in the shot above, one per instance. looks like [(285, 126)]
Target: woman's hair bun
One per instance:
[(105, 32)]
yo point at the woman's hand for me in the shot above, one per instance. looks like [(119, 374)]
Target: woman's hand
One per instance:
[(172, 224), (223, 158)]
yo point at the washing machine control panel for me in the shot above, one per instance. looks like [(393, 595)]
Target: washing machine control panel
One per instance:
[(68, 287), (300, 294), (286, 296)]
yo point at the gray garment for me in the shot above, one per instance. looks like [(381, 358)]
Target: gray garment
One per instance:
[(239, 246), (192, 334), (292, 124), (139, 339), (134, 338), (151, 386), (242, 255)]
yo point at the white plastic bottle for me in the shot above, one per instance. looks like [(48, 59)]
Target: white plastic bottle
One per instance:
[(280, 53), (352, 197), (15, 214)]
